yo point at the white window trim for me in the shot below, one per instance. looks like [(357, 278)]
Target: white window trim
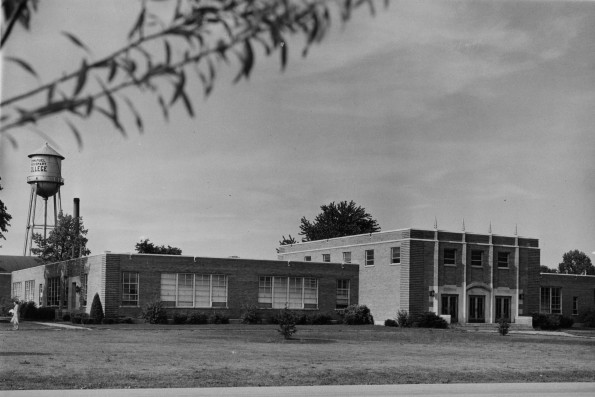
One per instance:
[(287, 288)]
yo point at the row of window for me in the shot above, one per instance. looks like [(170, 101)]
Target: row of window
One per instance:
[(395, 257), (502, 259), (550, 301)]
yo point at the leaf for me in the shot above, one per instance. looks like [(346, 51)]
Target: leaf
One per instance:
[(139, 23), (112, 71), (187, 103), (167, 52), (163, 107), (76, 41), (51, 90), (283, 55), (22, 64), (76, 133), (179, 87), (90, 103), (249, 61), (138, 119), (82, 78)]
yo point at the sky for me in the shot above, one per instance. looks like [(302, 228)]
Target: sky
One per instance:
[(428, 110)]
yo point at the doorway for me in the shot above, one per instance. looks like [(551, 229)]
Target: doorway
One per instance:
[(73, 297), (503, 308), (450, 306), (477, 309)]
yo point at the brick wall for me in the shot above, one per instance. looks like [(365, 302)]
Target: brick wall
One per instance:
[(33, 273), (582, 287)]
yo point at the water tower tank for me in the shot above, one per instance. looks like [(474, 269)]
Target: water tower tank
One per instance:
[(46, 171)]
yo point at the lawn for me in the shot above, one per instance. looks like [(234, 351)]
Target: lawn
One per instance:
[(143, 355)]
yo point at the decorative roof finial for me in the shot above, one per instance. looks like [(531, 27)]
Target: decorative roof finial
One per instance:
[(490, 229), (516, 232), (435, 223), (463, 224)]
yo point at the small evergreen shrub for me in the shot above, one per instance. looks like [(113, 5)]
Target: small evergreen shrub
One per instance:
[(551, 322), (81, 318), (287, 322), (503, 326), (198, 318), (430, 320), (66, 317), (218, 318), (107, 320), (129, 320), (45, 314), (28, 310), (154, 313), (250, 314), (302, 319), (274, 318), (321, 319), (96, 312), (566, 321), (357, 315), (180, 318), (587, 318), (390, 323), (403, 319)]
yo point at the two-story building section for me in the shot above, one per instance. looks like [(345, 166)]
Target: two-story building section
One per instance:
[(474, 278)]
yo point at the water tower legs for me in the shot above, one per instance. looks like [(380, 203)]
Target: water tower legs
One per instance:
[(31, 225)]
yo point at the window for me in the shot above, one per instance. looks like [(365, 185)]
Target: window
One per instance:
[(503, 259), (193, 290), (53, 291), (17, 290), (293, 292), (551, 301), (450, 256), (395, 255), (40, 295), (326, 257), (476, 258), (129, 289), (575, 305), (307, 258), (342, 294), (369, 256), (84, 283), (29, 290), (346, 257)]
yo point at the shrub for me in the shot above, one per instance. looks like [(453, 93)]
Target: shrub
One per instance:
[(45, 314), (108, 321), (588, 318), (430, 320), (218, 318), (503, 326), (129, 320), (250, 314), (180, 318), (321, 319), (28, 310), (551, 322), (96, 309), (403, 319), (198, 318), (566, 321), (302, 319), (287, 322), (390, 323), (154, 313), (357, 315), (66, 317), (80, 318), (274, 318)]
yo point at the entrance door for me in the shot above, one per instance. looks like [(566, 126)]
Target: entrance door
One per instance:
[(503, 308), (477, 309), (450, 306), (73, 297)]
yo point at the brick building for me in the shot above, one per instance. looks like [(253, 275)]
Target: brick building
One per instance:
[(467, 276), (126, 282), (567, 294)]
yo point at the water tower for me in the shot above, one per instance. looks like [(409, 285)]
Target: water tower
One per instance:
[(45, 179)]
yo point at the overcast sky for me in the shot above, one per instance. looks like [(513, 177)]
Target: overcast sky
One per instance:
[(482, 111)]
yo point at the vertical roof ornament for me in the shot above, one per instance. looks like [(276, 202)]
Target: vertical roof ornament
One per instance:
[(490, 229), (435, 223), (516, 231), (463, 224)]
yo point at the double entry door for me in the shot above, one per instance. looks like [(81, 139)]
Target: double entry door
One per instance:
[(450, 306), (476, 309)]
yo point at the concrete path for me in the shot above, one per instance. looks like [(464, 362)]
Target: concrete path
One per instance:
[(454, 390), (61, 325)]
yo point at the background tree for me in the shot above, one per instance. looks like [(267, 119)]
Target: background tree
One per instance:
[(289, 240), (66, 241), (545, 269), (146, 247), (5, 218), (338, 220), (576, 262), (200, 37)]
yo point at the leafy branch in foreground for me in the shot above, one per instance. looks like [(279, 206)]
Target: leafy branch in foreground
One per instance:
[(201, 36)]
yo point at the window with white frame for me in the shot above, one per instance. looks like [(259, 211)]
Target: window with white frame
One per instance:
[(450, 256), (575, 305), (347, 257), (29, 290), (129, 289), (503, 259), (395, 255), (342, 294), (193, 290), (326, 257), (84, 282), (291, 292), (550, 301), (307, 258), (17, 290), (53, 291), (369, 258), (40, 295), (476, 258)]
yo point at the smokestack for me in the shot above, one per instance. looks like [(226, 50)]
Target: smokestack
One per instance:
[(76, 207), (76, 214)]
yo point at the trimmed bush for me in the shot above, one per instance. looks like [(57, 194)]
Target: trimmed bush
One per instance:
[(154, 313), (429, 320), (390, 323), (587, 318), (218, 318), (551, 322), (28, 310), (96, 309), (180, 318), (357, 315), (321, 319), (129, 320), (503, 326), (250, 314), (403, 319), (66, 317), (287, 322), (198, 318), (566, 321), (45, 314), (302, 319), (108, 321)]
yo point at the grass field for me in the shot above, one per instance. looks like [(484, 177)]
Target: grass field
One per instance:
[(143, 355)]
